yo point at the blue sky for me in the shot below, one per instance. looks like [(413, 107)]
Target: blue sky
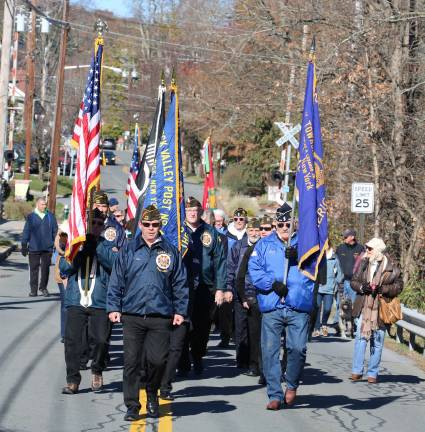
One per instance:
[(118, 7)]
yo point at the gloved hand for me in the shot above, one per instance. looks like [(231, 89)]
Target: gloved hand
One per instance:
[(291, 253), (90, 244), (280, 288), (366, 289), (24, 250)]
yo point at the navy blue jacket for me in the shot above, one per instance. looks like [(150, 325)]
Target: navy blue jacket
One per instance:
[(120, 236), (233, 264), (39, 234), (266, 265), (105, 259), (205, 259), (148, 280)]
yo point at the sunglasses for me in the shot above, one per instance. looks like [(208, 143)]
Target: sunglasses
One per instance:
[(236, 219), (265, 228), (151, 224), (283, 224), (369, 248), (98, 223)]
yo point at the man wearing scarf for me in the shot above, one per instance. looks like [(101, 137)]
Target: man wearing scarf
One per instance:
[(377, 274)]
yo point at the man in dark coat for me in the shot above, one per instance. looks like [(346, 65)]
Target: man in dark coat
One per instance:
[(38, 240)]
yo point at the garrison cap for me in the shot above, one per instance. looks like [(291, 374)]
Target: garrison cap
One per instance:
[(100, 197), (253, 223), (240, 212), (192, 202), (150, 213), (266, 220), (283, 213)]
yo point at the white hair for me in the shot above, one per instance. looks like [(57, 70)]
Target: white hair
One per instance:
[(220, 213)]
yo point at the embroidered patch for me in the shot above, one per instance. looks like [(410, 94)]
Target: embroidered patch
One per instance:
[(110, 234), (163, 261), (206, 239)]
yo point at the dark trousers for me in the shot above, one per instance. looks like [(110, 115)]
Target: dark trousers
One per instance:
[(225, 321), (254, 335), (63, 308), (177, 343), (39, 263), (151, 336), (241, 335), (202, 316), (77, 318)]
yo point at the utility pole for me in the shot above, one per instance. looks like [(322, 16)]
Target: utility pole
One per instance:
[(29, 94), (13, 97), (4, 75), (58, 113)]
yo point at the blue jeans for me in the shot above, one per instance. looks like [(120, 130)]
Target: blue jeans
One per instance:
[(326, 300), (63, 308), (376, 346), (336, 317), (296, 326), (348, 291)]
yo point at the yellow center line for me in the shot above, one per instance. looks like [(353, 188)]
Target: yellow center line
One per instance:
[(165, 416)]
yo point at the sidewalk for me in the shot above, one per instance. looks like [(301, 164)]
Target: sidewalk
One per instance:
[(12, 230)]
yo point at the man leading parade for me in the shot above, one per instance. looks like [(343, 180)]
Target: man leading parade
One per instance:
[(148, 293), (284, 306)]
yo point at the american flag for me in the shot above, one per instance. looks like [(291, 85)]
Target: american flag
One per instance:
[(132, 190), (87, 175)]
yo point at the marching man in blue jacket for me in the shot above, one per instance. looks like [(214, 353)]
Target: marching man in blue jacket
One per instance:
[(283, 306), (148, 293)]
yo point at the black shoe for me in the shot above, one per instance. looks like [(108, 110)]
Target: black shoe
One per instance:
[(166, 395), (223, 344), (132, 414), (152, 407), (83, 366), (198, 367), (45, 293), (31, 294), (251, 373), (262, 380)]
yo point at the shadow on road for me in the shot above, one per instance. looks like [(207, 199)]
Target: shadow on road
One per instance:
[(342, 401), (14, 266), (198, 391), (181, 409), (314, 376), (52, 298)]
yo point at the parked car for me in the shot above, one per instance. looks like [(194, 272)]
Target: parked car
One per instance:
[(109, 157), (108, 144), (19, 161), (68, 163)]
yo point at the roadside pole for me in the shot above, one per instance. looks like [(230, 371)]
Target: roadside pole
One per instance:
[(58, 112), (4, 87)]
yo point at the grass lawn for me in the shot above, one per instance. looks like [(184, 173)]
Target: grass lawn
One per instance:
[(64, 186)]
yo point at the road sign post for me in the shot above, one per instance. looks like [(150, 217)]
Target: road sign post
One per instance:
[(362, 202)]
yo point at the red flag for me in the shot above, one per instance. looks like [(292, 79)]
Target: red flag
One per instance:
[(208, 200), (87, 175)]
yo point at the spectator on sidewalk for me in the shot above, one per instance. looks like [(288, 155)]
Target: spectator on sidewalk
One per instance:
[(37, 241), (347, 252)]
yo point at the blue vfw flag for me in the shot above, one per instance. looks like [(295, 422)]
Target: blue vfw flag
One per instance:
[(165, 189), (310, 182)]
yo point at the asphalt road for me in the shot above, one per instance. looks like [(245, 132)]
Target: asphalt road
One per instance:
[(32, 373)]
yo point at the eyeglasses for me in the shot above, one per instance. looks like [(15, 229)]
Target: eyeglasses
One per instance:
[(98, 223), (265, 228), (283, 224), (152, 224), (240, 219)]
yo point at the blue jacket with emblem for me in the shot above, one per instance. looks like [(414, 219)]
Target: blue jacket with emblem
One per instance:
[(266, 265), (148, 280), (117, 237), (205, 259), (77, 269)]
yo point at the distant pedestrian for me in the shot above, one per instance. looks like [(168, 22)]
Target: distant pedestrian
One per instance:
[(326, 292), (377, 275), (347, 252), (113, 205), (37, 241)]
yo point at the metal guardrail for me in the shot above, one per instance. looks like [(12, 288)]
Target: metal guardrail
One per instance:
[(414, 323)]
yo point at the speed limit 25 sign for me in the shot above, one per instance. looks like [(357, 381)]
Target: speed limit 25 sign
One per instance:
[(362, 197)]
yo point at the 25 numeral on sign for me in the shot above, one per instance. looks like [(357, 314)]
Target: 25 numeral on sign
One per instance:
[(362, 197)]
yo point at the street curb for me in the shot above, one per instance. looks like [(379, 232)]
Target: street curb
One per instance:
[(6, 253)]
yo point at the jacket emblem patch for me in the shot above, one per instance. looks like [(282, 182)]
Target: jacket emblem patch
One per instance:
[(110, 234), (163, 261), (206, 239)]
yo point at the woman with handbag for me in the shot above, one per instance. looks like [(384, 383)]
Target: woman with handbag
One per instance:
[(377, 283)]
